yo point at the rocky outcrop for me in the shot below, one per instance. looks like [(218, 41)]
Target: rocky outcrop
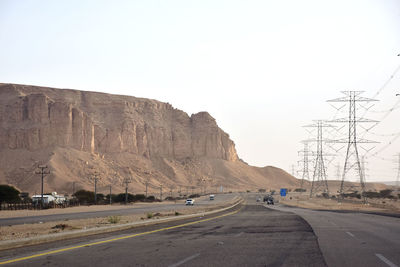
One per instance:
[(35, 118)]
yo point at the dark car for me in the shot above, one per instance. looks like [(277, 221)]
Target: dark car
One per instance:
[(269, 200)]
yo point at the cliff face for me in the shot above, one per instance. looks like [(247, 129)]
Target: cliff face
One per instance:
[(36, 118), (79, 133)]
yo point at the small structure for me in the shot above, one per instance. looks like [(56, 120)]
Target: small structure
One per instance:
[(54, 197)]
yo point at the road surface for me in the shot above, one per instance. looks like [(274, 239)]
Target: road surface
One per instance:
[(202, 202), (254, 235), (354, 239), (251, 236)]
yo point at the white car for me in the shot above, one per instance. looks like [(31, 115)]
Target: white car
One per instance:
[(189, 201)]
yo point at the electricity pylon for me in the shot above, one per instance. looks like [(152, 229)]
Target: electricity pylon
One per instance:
[(398, 175), (352, 160), (305, 172), (319, 177)]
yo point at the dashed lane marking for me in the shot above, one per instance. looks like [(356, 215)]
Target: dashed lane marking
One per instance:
[(350, 234), (388, 262), (185, 260)]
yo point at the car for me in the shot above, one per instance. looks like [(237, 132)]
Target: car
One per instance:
[(189, 201), (269, 200), (212, 197)]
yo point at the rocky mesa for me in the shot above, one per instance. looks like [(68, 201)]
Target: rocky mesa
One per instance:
[(79, 134)]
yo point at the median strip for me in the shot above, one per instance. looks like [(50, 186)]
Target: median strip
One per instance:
[(103, 229)]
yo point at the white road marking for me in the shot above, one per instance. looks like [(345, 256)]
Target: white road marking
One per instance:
[(185, 260), (388, 262), (333, 223), (350, 234), (239, 234)]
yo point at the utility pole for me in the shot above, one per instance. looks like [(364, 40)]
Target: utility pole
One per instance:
[(319, 176), (147, 184), (352, 160), (73, 188), (43, 171), (127, 181), (95, 187), (110, 196)]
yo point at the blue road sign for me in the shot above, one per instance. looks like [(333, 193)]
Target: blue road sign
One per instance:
[(283, 192)]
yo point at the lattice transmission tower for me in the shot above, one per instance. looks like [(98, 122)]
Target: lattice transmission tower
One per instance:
[(319, 181), (305, 153), (352, 160), (398, 174)]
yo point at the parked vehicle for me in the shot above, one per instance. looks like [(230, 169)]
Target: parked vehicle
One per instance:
[(189, 201), (212, 197), (269, 200)]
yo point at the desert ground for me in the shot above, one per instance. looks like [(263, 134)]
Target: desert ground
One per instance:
[(373, 205)]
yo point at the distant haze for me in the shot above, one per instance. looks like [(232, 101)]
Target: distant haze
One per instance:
[(262, 69)]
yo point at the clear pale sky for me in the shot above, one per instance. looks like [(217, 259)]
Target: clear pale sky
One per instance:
[(263, 69)]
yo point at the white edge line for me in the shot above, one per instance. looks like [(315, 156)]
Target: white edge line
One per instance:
[(239, 234), (388, 262), (185, 260)]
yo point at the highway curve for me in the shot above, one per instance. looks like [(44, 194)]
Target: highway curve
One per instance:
[(251, 235)]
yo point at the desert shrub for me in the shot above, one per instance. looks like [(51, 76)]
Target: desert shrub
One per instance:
[(121, 197), (84, 196), (139, 197), (386, 193), (371, 194), (300, 190), (353, 194), (9, 194), (150, 199), (194, 196), (149, 215), (114, 219)]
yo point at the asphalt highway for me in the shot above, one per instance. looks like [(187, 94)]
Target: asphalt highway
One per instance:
[(202, 202), (354, 239), (250, 235)]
